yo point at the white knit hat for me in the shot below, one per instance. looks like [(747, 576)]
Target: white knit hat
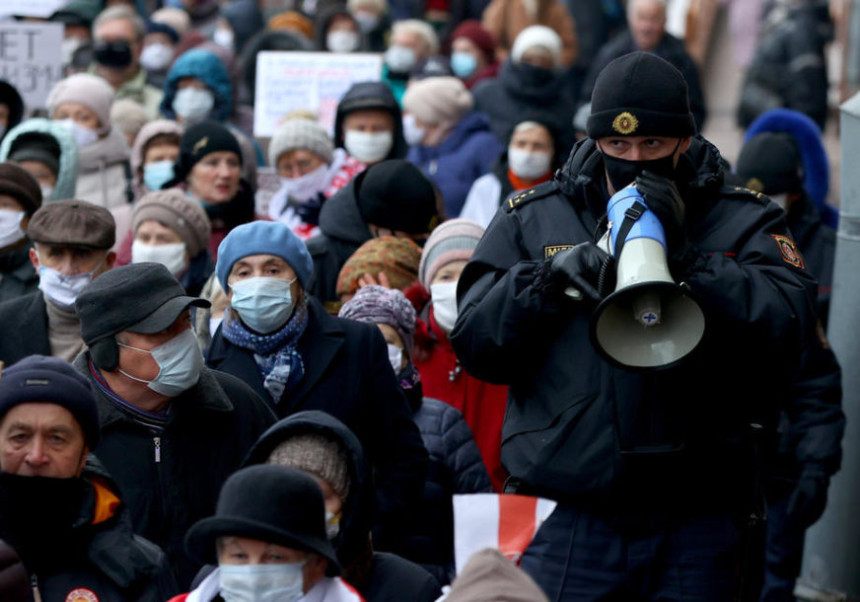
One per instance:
[(438, 100), (301, 134), (537, 35), (89, 90)]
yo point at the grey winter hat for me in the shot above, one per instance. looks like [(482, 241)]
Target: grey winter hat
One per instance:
[(318, 455), (301, 134)]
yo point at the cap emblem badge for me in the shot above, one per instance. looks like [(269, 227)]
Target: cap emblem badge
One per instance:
[(626, 123)]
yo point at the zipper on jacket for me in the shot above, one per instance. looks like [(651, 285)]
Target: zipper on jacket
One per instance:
[(157, 442)]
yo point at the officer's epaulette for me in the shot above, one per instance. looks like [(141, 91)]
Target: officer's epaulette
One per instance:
[(741, 192), (541, 191)]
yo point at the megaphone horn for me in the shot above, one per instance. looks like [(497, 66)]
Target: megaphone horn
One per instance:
[(649, 321)]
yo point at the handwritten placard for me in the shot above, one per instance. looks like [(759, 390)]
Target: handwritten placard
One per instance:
[(31, 59)]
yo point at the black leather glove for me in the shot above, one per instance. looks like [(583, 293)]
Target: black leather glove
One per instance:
[(662, 197), (807, 501), (581, 267)]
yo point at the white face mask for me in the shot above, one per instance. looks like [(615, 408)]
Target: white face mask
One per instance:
[(528, 165), (62, 290), (261, 582), (179, 361), (224, 38), (172, 256), (308, 186), (83, 136), (264, 304), (68, 47), (780, 199), (332, 525), (10, 227), (47, 192), (395, 356), (413, 133), (156, 57), (400, 59), (367, 22), (193, 104), (342, 41), (444, 296), (368, 147)]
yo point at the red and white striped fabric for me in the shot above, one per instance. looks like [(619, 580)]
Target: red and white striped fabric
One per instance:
[(505, 522)]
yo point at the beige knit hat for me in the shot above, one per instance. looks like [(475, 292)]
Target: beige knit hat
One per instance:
[(172, 208), (301, 134), (318, 455), (438, 100), (88, 90)]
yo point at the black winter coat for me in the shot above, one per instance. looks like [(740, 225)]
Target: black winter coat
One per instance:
[(103, 555), (170, 481), (347, 374), (17, 275), (817, 244), (24, 328), (671, 49), (379, 577), (618, 441)]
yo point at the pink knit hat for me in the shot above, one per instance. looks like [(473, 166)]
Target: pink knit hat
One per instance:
[(88, 90), (453, 240), (438, 100)]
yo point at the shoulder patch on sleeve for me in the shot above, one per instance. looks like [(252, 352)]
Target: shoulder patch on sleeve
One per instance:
[(789, 251), (541, 191)]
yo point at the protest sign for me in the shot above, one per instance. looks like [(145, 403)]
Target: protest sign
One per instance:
[(314, 81), (31, 59), (30, 8)]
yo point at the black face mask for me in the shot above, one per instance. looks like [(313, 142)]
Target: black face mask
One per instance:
[(622, 172), (113, 54), (534, 76)]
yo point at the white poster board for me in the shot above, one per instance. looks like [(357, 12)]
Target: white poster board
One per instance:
[(30, 8), (314, 81), (31, 59)]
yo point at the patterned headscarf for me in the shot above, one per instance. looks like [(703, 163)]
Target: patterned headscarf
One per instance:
[(380, 305)]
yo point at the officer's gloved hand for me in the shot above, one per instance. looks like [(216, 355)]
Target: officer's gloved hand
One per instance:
[(807, 501), (580, 268), (662, 197)]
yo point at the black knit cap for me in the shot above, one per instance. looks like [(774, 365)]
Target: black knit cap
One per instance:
[(269, 503), (16, 182), (770, 163), (640, 94), (396, 195), (43, 379), (37, 146), (200, 140)]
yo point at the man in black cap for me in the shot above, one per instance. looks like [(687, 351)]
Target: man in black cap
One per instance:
[(392, 198), (172, 430), (649, 467), (59, 508), (268, 537), (72, 243)]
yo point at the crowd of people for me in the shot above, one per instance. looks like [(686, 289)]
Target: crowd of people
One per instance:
[(209, 393)]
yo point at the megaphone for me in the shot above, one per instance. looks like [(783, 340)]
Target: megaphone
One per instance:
[(649, 321)]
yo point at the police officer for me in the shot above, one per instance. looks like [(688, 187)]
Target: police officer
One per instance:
[(650, 468)]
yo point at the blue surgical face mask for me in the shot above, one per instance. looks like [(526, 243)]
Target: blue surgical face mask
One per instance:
[(463, 64), (264, 304), (261, 582), (157, 174), (179, 361)]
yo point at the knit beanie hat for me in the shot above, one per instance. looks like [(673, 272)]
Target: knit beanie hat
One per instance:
[(478, 34), (381, 305), (16, 182), (129, 116), (301, 134), (42, 379), (173, 209), (163, 28), (318, 455), (200, 140), (537, 35), (438, 100), (396, 195), (640, 94), (263, 238), (395, 257), (36, 146), (88, 90), (292, 21), (453, 240), (770, 163), (175, 18)]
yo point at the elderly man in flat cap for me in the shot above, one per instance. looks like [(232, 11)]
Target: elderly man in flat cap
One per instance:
[(172, 429), (72, 243)]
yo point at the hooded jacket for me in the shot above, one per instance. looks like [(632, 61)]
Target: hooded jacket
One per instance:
[(172, 479), (490, 577), (371, 95), (65, 188), (321, 24), (208, 68), (246, 19), (102, 557), (613, 440), (464, 156), (385, 577)]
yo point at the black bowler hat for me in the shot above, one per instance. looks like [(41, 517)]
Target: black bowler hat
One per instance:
[(640, 94), (269, 503)]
